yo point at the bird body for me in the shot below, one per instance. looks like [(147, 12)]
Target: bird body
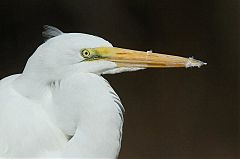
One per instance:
[(26, 129), (61, 106), (50, 121)]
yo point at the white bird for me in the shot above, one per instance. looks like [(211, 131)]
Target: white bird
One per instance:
[(61, 106)]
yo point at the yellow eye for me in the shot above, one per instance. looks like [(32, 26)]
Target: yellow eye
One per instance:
[(86, 53)]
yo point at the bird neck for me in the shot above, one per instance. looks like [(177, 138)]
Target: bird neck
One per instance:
[(99, 130), (99, 113), (31, 86)]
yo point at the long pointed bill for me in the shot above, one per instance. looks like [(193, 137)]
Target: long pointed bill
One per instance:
[(131, 58)]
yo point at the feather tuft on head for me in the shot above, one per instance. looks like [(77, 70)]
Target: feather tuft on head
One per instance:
[(50, 32)]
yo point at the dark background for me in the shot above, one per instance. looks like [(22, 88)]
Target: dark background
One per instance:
[(170, 113)]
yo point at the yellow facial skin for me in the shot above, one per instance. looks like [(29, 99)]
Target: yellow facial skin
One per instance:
[(132, 58)]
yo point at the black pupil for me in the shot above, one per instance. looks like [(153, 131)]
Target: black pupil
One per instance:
[(86, 53)]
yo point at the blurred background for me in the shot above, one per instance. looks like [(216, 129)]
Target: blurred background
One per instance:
[(170, 113)]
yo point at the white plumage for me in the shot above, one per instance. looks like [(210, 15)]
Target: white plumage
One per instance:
[(60, 106)]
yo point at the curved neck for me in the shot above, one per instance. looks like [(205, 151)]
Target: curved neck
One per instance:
[(98, 113), (96, 116)]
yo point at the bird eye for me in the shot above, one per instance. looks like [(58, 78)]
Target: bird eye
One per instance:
[(86, 53)]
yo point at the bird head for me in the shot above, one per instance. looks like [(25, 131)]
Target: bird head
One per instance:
[(67, 52)]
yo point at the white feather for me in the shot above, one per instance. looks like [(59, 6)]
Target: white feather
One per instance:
[(56, 98)]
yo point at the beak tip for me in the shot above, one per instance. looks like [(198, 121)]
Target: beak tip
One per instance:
[(194, 63)]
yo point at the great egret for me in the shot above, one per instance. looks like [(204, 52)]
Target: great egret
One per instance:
[(60, 106)]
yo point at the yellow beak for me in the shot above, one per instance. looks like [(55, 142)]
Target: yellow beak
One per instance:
[(132, 58)]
